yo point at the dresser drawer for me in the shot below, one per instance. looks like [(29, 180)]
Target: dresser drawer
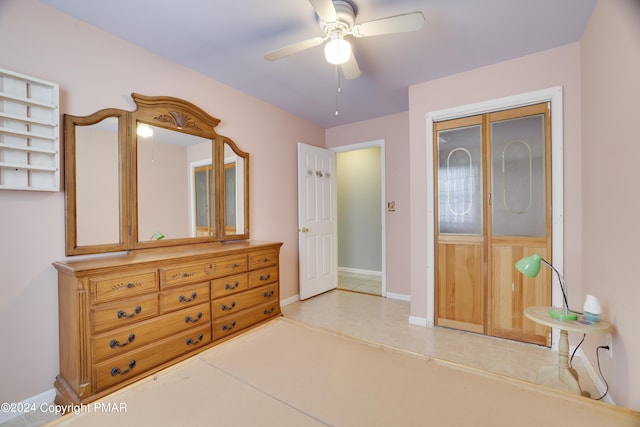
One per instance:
[(184, 296), (111, 288), (234, 303), (263, 276), (187, 273), (115, 315), (232, 264), (236, 322), (128, 365), (113, 343), (229, 285), (263, 259)]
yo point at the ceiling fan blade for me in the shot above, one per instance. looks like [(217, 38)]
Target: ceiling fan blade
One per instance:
[(325, 10), (274, 55), (350, 69), (393, 24)]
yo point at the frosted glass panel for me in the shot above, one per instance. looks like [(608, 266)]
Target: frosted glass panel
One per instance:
[(518, 177), (460, 180)]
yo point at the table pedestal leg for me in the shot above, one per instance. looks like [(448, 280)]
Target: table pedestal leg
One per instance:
[(561, 376)]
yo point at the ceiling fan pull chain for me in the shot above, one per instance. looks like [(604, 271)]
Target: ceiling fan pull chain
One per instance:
[(339, 89)]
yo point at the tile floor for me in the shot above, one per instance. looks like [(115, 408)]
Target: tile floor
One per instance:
[(384, 320), (363, 283)]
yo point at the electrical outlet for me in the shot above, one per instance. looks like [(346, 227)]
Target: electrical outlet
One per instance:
[(610, 345)]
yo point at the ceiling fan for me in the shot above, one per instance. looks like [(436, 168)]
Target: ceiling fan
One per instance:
[(337, 20)]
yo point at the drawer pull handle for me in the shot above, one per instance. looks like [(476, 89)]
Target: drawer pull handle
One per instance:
[(190, 341), (189, 319), (227, 327), (269, 294), (269, 310), (115, 343), (123, 315), (117, 371), (226, 307), (265, 260), (228, 286), (235, 265), (185, 299), (263, 278)]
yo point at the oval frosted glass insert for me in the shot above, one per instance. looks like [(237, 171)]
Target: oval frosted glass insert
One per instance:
[(460, 180), (518, 177), (517, 195)]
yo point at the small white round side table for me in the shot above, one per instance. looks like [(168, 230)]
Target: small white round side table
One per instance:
[(562, 376)]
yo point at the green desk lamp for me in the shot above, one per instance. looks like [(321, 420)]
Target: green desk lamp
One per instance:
[(530, 266)]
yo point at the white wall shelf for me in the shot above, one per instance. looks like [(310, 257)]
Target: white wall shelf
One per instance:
[(29, 133)]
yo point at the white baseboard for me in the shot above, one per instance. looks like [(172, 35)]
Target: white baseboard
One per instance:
[(401, 297), (360, 271), (595, 377), (420, 321), (289, 300), (40, 403)]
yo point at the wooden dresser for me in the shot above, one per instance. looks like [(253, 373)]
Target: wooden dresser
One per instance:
[(123, 317)]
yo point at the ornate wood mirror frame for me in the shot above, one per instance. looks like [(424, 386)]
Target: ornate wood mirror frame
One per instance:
[(157, 176)]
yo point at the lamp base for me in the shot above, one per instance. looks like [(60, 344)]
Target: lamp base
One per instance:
[(558, 313)]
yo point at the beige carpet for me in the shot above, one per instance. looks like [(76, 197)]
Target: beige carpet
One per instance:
[(289, 374)]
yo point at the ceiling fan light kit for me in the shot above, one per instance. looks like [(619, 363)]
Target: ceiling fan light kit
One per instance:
[(337, 51), (337, 19)]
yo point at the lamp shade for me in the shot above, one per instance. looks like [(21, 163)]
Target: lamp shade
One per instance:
[(529, 266), (337, 51)]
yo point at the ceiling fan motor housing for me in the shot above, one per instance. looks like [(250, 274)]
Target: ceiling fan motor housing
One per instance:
[(346, 12)]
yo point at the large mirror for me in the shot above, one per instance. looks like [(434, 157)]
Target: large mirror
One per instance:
[(236, 186), (157, 176)]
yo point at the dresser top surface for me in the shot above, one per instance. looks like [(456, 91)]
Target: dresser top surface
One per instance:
[(170, 254)]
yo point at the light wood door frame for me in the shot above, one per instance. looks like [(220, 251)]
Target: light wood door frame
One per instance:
[(553, 95)]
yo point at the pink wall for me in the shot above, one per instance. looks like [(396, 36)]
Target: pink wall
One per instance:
[(96, 70), (394, 130), (556, 67), (610, 54)]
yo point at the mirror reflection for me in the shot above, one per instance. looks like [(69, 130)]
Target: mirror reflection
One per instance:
[(235, 186), (97, 183), (175, 184)]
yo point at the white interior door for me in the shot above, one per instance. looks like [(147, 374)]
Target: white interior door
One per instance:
[(317, 220)]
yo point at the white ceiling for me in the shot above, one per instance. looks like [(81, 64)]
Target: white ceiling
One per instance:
[(226, 40)]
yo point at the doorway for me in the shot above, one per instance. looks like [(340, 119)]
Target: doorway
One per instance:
[(554, 96), (361, 217)]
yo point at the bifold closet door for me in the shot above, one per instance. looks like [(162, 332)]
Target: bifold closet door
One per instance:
[(460, 234), (493, 175), (520, 183)]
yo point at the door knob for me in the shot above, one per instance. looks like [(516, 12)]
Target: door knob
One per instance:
[(303, 229)]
